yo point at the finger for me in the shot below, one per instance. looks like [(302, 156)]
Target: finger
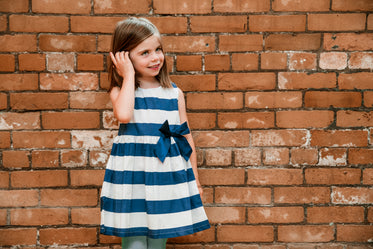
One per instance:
[(113, 58)]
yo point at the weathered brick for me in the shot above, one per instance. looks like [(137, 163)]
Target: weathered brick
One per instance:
[(234, 120), (335, 99), (244, 62), (332, 157), (39, 217), (354, 233), (292, 195), (68, 81), (263, 177), (223, 215), (182, 7), (333, 60), (246, 195), (275, 61), (302, 156), (361, 60), (90, 100), (19, 121), (182, 44), (92, 139), (306, 233), (304, 119), (35, 179), (37, 24), (66, 236), (275, 156), (301, 5), (221, 138), (73, 158), (19, 198), (274, 23), (340, 138), (245, 157), (269, 100), (322, 176), (238, 43), (354, 119), (68, 6), (299, 80), (293, 42), (368, 99), (215, 100), (278, 138), (241, 6), (242, 233), (362, 80), (346, 195), (368, 180), (275, 215), (213, 176), (246, 81), (207, 24), (218, 157), (348, 41), (38, 101), (41, 139), (336, 214), (61, 62), (302, 61), (18, 82), (98, 158), (336, 22), (67, 43), (18, 43), (45, 158)]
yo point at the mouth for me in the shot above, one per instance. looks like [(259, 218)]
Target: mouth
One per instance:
[(155, 67)]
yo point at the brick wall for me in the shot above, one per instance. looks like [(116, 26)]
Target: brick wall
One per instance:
[(279, 96)]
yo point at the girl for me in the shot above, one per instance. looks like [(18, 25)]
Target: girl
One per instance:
[(151, 190)]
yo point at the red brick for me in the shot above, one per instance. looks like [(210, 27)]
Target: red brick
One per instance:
[(200, 237), (38, 101), (335, 99), (216, 100), (368, 178), (302, 61), (39, 216), (202, 120), (34, 179), (4, 139), (195, 82), (333, 60), (66, 236), (276, 156), (67, 43), (305, 233), (301, 5), (189, 63), (98, 158), (275, 215), (263, 177), (85, 216), (242, 195), (109, 121), (221, 138), (209, 177), (333, 157), (3, 101), (61, 62), (234, 120), (182, 7), (207, 24), (68, 6), (339, 138), (322, 176), (93, 139), (244, 62), (362, 80), (71, 120), (94, 24), (273, 61), (87, 177), (7, 63), (19, 121), (218, 157), (241, 6), (69, 81), (273, 99), (351, 5), (278, 138), (3, 23), (360, 156), (31, 62), (170, 24), (293, 42), (16, 159), (351, 196), (302, 156), (18, 43), (238, 43), (289, 80), (274, 23), (354, 233), (302, 195), (45, 159), (368, 99), (90, 100), (192, 44), (304, 119), (4, 181), (37, 24), (241, 233), (244, 157), (90, 62), (18, 236), (336, 22), (335, 214), (68, 197), (223, 215), (18, 82), (354, 119), (41, 139), (216, 62), (19, 198), (348, 41), (361, 60), (370, 22), (16, 6), (3, 217), (246, 81), (73, 158), (104, 80)]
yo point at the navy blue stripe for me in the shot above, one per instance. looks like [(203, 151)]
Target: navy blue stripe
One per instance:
[(156, 104), (156, 234), (141, 129), (137, 149), (149, 178), (151, 207)]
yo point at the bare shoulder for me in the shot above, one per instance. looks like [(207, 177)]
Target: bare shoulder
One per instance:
[(181, 94)]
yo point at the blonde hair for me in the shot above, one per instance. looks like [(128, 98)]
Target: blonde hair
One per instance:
[(128, 34)]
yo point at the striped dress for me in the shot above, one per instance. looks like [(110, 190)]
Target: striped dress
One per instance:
[(149, 187)]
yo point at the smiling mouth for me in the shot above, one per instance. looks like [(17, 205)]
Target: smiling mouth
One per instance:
[(154, 67)]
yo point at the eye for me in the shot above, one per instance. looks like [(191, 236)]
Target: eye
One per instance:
[(145, 53), (159, 49)]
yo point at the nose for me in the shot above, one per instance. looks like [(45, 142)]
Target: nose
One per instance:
[(155, 57)]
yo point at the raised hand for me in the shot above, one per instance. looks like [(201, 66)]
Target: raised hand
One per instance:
[(123, 64)]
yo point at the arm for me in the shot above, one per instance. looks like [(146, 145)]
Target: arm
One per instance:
[(193, 156), (123, 98)]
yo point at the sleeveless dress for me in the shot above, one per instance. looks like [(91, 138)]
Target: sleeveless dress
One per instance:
[(149, 187)]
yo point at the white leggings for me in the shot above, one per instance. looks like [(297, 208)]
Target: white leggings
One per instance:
[(143, 242)]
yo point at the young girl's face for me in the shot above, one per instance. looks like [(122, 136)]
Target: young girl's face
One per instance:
[(147, 58)]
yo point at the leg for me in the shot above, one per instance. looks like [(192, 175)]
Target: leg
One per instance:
[(156, 243), (135, 242)]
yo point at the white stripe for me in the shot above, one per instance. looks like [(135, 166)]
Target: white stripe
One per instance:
[(150, 193), (156, 116), (162, 93), (153, 222)]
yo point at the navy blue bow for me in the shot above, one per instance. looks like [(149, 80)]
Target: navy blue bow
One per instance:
[(164, 143)]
